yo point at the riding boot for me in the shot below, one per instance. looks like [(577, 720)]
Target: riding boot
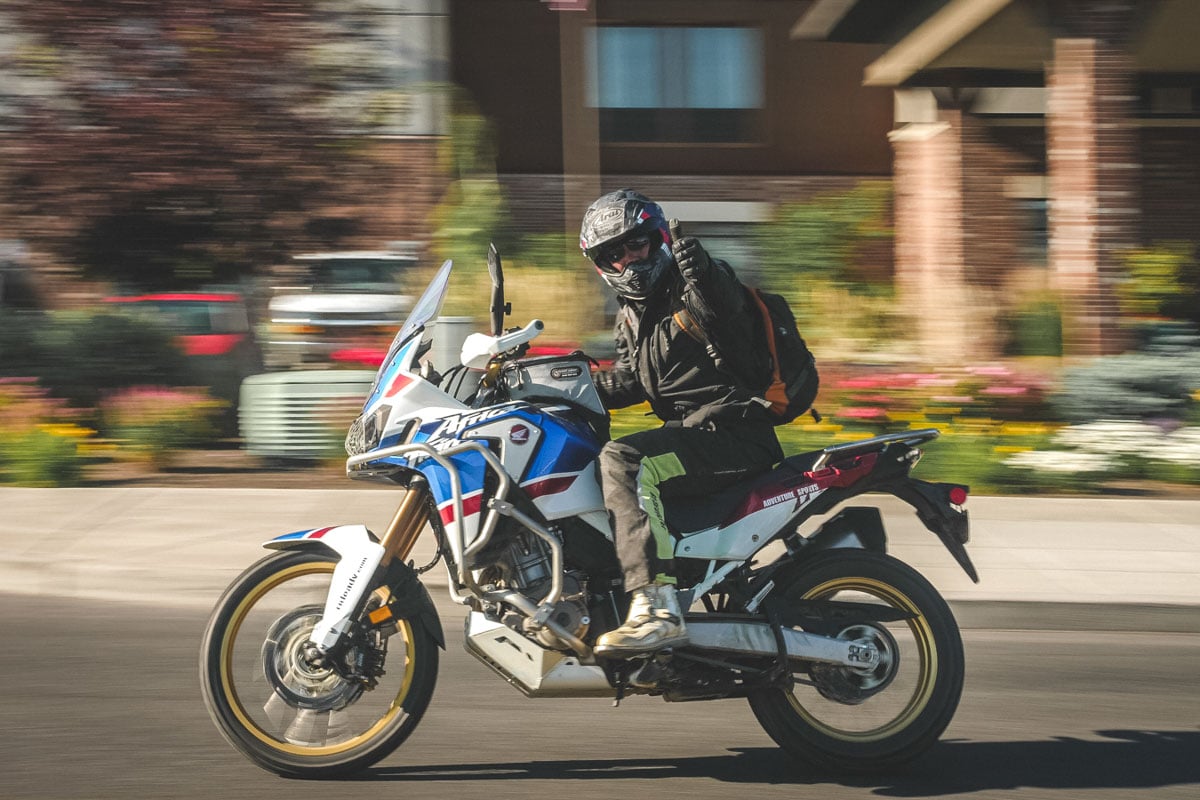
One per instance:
[(655, 621)]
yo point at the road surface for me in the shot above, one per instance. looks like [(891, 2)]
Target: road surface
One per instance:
[(103, 702)]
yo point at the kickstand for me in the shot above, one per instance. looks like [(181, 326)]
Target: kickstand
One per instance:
[(620, 694)]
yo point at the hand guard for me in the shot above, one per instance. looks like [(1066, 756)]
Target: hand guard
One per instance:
[(690, 256)]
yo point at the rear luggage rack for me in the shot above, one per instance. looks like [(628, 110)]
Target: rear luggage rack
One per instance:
[(874, 444)]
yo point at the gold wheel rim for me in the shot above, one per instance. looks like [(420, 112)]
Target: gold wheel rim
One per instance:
[(927, 654), (235, 704)]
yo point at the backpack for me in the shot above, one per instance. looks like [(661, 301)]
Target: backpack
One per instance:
[(786, 378)]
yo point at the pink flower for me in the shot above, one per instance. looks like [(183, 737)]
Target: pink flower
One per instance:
[(862, 412)]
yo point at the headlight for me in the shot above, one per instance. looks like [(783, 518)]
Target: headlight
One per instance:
[(365, 432)]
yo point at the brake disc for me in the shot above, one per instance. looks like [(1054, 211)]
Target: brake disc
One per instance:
[(294, 678)]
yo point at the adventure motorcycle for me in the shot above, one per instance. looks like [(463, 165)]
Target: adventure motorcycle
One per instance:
[(320, 659)]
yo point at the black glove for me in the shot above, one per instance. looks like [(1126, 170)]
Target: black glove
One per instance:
[(690, 256)]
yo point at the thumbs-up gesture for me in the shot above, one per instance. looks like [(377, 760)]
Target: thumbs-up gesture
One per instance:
[(693, 262)]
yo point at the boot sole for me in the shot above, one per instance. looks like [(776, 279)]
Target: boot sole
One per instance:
[(616, 650)]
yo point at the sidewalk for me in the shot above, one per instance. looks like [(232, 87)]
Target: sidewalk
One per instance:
[(182, 546)]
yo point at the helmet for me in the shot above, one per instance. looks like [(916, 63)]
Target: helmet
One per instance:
[(611, 221)]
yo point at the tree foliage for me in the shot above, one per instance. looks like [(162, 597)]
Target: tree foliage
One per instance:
[(170, 142)]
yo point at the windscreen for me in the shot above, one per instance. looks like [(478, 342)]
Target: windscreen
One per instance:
[(424, 311)]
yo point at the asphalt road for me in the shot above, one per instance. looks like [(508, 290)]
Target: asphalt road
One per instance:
[(102, 701)]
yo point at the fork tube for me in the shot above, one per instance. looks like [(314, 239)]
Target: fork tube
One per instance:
[(405, 526)]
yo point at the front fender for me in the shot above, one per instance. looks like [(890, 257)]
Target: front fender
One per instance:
[(410, 599), (338, 539)]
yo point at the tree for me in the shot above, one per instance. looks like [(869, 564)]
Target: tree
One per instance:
[(169, 142)]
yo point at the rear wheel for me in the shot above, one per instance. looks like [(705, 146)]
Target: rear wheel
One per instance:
[(869, 719), (291, 716)]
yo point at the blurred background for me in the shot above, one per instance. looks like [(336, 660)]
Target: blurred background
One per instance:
[(983, 212)]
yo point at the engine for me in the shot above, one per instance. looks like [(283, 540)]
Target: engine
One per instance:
[(524, 563)]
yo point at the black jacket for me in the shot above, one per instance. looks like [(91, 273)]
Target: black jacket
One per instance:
[(659, 362)]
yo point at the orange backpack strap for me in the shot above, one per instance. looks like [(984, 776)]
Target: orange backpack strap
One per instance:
[(776, 391), (688, 325)]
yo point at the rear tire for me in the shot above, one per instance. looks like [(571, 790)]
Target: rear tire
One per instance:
[(847, 719), (286, 716)]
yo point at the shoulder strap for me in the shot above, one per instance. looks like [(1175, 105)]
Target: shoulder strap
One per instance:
[(776, 393), (688, 325)]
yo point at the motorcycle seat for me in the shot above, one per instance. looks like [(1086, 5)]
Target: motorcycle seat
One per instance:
[(694, 513)]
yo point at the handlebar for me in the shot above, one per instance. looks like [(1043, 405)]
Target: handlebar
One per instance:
[(479, 348)]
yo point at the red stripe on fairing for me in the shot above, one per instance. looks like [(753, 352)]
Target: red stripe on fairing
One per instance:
[(318, 533), (549, 486), (399, 382), (471, 505)]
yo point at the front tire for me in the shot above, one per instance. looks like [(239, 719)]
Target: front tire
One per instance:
[(282, 713), (854, 720)]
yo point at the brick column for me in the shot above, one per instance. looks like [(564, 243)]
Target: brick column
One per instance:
[(1093, 171), (930, 268)]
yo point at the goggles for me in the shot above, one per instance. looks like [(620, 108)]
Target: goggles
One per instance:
[(608, 256)]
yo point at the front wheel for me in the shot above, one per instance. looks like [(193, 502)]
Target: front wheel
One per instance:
[(855, 719), (293, 717)]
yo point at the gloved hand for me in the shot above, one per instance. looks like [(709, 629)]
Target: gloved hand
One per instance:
[(690, 256)]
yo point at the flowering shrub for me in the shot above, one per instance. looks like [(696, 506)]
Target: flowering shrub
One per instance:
[(154, 423), (39, 445), (1119, 448), (886, 401), (997, 433)]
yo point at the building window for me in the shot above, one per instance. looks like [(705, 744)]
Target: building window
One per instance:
[(676, 84), (1034, 219)]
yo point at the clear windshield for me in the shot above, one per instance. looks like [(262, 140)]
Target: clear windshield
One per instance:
[(424, 310)]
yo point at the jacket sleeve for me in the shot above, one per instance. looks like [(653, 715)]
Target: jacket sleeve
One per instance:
[(714, 295), (619, 386)]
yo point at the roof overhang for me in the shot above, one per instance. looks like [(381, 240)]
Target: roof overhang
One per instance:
[(821, 18), (944, 29), (988, 42)]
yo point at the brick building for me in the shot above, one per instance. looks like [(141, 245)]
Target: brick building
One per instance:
[(1030, 142), (1035, 142)]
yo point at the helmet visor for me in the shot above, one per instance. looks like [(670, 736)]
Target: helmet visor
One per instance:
[(610, 257)]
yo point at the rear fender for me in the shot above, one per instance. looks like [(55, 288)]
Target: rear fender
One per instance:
[(359, 556), (939, 514), (858, 527)]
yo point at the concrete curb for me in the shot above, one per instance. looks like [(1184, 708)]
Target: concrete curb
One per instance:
[(1051, 563)]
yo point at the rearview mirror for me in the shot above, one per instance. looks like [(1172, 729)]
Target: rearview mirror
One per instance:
[(499, 308)]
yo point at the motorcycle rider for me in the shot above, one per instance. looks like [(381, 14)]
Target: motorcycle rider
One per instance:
[(714, 432)]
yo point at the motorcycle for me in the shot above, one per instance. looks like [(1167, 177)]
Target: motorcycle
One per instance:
[(320, 659)]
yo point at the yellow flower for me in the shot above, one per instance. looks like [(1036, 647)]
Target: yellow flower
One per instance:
[(66, 430), (1026, 429)]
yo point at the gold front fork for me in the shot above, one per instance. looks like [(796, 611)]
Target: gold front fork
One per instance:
[(405, 527)]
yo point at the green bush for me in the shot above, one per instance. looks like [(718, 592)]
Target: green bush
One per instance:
[(81, 356), (1161, 281), (823, 237), (1034, 328), (1131, 386)]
